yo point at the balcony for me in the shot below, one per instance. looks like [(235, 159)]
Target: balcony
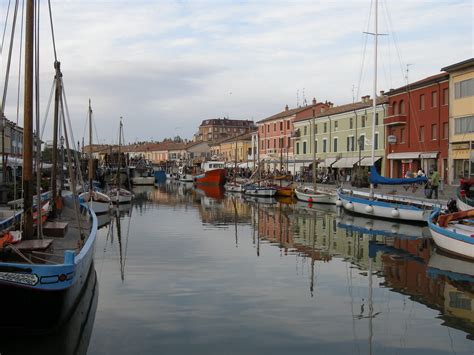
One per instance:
[(395, 120)]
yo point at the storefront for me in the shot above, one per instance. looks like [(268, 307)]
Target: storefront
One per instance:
[(401, 163), (463, 162)]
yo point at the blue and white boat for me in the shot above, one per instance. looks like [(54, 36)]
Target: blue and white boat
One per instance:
[(394, 207), (453, 233)]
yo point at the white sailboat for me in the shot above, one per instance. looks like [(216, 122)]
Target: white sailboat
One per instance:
[(377, 205), (98, 201)]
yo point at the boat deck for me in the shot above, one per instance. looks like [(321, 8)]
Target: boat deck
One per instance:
[(466, 230), (50, 249)]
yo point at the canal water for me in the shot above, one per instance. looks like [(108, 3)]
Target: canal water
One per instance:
[(189, 271)]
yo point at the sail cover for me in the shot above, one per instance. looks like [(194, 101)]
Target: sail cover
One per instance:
[(375, 178)]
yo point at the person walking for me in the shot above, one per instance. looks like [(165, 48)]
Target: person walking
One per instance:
[(434, 182)]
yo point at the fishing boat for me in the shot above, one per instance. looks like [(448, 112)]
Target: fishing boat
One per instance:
[(98, 201), (42, 277), (464, 195), (453, 232), (213, 173), (142, 174), (185, 174), (259, 191), (383, 206)]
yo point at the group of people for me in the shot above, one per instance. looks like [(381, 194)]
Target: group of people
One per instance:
[(432, 185)]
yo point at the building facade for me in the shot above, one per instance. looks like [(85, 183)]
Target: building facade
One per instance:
[(418, 127), (276, 133), (341, 136), (461, 120), (213, 130)]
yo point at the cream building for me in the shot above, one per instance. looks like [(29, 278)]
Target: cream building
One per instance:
[(461, 120)]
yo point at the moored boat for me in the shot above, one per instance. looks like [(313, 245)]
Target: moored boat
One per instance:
[(454, 232), (233, 187), (263, 191), (100, 202), (464, 195), (310, 195), (119, 195), (213, 174)]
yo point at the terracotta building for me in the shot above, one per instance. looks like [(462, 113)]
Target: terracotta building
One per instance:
[(417, 127), (213, 130)]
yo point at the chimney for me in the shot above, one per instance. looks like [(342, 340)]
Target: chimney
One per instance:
[(286, 108), (314, 101), (382, 92), (330, 104)]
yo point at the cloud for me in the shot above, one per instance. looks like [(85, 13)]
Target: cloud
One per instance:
[(168, 64)]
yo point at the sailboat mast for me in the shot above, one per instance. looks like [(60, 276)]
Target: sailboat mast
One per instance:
[(119, 158), (57, 97), (376, 36), (91, 165), (314, 152), (28, 124)]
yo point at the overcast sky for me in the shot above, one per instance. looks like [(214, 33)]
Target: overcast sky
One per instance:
[(167, 65)]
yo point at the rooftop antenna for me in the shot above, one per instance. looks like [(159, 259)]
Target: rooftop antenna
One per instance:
[(298, 98), (353, 93), (305, 103), (407, 72)]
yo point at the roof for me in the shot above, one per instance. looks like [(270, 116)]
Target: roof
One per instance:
[(347, 108), (226, 122), (420, 83), (458, 66), (286, 113)]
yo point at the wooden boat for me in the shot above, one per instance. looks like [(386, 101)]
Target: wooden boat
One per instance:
[(213, 174), (141, 176), (119, 195), (98, 201), (310, 195), (42, 279), (283, 191), (464, 195), (233, 187), (259, 191), (454, 232)]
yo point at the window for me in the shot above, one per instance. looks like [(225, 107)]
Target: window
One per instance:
[(376, 141), (434, 99), (445, 130), (350, 143), (434, 132), (325, 127), (421, 136), (395, 107), (289, 142), (362, 142), (315, 129), (422, 102), (376, 119), (297, 147), (274, 127), (268, 128), (351, 123), (335, 145), (281, 126), (316, 146), (287, 124), (464, 125), (336, 124), (402, 107), (402, 135), (274, 143), (362, 121), (304, 147), (325, 142), (305, 130), (445, 96), (464, 88)]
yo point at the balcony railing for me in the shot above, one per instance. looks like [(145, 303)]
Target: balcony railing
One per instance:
[(394, 120)]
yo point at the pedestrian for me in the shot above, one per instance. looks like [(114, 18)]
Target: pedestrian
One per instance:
[(434, 182)]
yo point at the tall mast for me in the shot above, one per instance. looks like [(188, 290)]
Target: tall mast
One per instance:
[(376, 35), (57, 97), (28, 123), (313, 143), (119, 158), (91, 165)]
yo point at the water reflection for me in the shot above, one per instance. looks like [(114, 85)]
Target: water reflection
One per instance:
[(277, 276)]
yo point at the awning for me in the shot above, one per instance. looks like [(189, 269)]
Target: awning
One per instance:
[(345, 162), (404, 155), (367, 161), (327, 162), (430, 155)]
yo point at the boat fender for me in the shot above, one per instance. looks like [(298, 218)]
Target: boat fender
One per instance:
[(395, 212), (369, 209), (310, 200), (349, 206), (339, 203)]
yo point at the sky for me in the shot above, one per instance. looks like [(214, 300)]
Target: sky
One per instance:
[(164, 66)]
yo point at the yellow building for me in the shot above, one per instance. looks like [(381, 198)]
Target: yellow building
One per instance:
[(227, 149), (461, 120)]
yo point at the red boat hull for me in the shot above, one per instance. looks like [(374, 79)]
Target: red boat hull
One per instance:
[(211, 177)]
